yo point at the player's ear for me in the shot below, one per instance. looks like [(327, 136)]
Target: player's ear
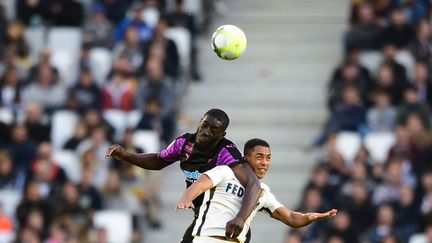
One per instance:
[(223, 134)]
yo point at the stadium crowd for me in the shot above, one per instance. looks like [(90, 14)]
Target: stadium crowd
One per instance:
[(375, 164), (69, 70)]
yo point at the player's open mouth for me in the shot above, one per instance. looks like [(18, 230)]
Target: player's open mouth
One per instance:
[(261, 170)]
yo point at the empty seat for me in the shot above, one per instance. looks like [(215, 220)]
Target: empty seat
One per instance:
[(182, 39), (418, 238), (63, 127), (348, 145), (67, 64), (65, 38), (118, 225), (117, 119), (69, 161), (101, 62), (133, 118), (6, 115), (371, 60), (10, 200), (379, 144), (147, 140)]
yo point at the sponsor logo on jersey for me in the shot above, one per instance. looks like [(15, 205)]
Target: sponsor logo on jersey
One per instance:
[(191, 175)]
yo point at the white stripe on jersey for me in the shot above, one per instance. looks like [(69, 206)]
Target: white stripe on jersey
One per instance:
[(222, 203)]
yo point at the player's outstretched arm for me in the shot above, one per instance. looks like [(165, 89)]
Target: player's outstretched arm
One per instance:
[(297, 220), (203, 184), (250, 182), (149, 161)]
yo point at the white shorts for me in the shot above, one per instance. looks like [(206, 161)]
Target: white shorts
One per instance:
[(208, 239)]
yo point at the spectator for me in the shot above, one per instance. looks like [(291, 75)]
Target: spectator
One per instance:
[(130, 47), (426, 198), (65, 13), (363, 35), (351, 114), (359, 207), (10, 90), (48, 176), (34, 202), (80, 134), (414, 10), (38, 129), (50, 94), (389, 190), (382, 116), (152, 119), (349, 74), (3, 30), (412, 105), (31, 12), (407, 214), (86, 94), (4, 134), (44, 61), (93, 120), (384, 225), (164, 50), (145, 31), (98, 31), (157, 85), (399, 33), (180, 18), (341, 227), (387, 82), (9, 179), (423, 83), (320, 180), (115, 9), (21, 148), (399, 71), (16, 42), (89, 197), (421, 48), (116, 94), (403, 147)]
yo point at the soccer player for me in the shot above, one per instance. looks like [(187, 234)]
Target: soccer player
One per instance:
[(224, 195), (199, 152)]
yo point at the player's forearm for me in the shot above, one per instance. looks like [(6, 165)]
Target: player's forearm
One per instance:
[(291, 218), (149, 161)]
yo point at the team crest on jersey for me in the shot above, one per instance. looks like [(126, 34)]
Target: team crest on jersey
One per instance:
[(191, 175)]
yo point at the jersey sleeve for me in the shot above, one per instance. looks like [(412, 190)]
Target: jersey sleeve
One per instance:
[(228, 155), (271, 203), (219, 174), (173, 151)]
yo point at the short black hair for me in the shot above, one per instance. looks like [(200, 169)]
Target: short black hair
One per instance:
[(220, 115), (252, 143)]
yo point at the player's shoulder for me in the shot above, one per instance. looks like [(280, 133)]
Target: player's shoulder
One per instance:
[(265, 187)]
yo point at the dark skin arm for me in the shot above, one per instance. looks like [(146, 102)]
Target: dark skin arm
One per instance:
[(148, 161), (250, 182)]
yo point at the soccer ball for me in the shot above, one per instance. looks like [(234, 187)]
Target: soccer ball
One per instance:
[(229, 42)]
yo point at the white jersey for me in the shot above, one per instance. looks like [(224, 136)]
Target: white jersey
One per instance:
[(222, 203)]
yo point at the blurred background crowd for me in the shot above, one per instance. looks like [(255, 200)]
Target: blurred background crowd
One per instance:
[(375, 165), (75, 77)]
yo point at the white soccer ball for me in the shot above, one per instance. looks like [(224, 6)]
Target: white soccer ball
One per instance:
[(229, 42)]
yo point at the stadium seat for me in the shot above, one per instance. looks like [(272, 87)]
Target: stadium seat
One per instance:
[(117, 119), (147, 140), (378, 144), (371, 60), (6, 115), (348, 145), (67, 65), (101, 62), (7, 237), (69, 161), (10, 200), (133, 118), (418, 238), (37, 37), (9, 6), (118, 225), (406, 59), (63, 127), (65, 39), (181, 37)]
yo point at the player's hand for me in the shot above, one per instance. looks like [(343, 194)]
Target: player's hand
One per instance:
[(184, 205), (320, 216), (115, 151), (234, 227)]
